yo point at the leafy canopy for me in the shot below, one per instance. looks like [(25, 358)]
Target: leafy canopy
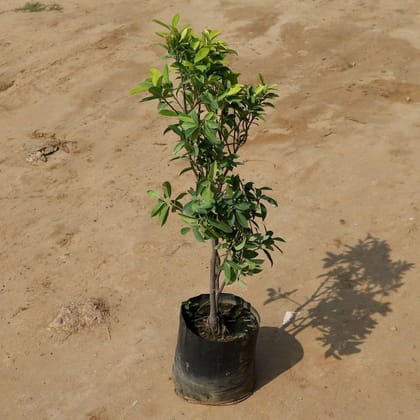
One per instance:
[(212, 114)]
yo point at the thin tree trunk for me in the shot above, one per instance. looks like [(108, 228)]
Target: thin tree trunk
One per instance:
[(217, 272), (213, 321)]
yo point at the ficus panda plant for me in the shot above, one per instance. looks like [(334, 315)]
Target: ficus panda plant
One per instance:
[(211, 114)]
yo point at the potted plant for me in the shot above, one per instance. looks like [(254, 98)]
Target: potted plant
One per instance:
[(212, 114)]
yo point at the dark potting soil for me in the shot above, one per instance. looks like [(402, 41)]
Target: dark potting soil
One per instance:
[(236, 321)]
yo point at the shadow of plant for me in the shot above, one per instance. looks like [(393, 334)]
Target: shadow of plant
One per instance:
[(277, 351), (352, 293)]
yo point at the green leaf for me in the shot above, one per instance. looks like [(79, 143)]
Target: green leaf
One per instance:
[(175, 20), (242, 206), (163, 215), (167, 190), (194, 117), (210, 115), (197, 235), (188, 219), (142, 87), (268, 256), (201, 54), (250, 254), (234, 265), (156, 75), (228, 273), (153, 194), (166, 74), (211, 135), (191, 132), (168, 113), (189, 127), (231, 271), (184, 33), (234, 90), (136, 90), (207, 197), (161, 24), (186, 118), (213, 171), (269, 200), (178, 147), (259, 89), (185, 230), (158, 207), (187, 63), (212, 124), (189, 168), (241, 219), (279, 239), (174, 128), (214, 33), (224, 227), (148, 98), (241, 245)]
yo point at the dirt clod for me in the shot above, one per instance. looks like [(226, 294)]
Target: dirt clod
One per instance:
[(76, 316)]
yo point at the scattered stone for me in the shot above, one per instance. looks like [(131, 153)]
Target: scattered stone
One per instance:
[(76, 316), (40, 153)]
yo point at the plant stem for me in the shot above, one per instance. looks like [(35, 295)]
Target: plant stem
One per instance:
[(221, 287), (213, 321), (217, 272)]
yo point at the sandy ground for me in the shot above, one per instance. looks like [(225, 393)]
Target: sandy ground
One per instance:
[(341, 150)]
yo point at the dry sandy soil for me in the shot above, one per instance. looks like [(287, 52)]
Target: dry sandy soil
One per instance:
[(341, 151)]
